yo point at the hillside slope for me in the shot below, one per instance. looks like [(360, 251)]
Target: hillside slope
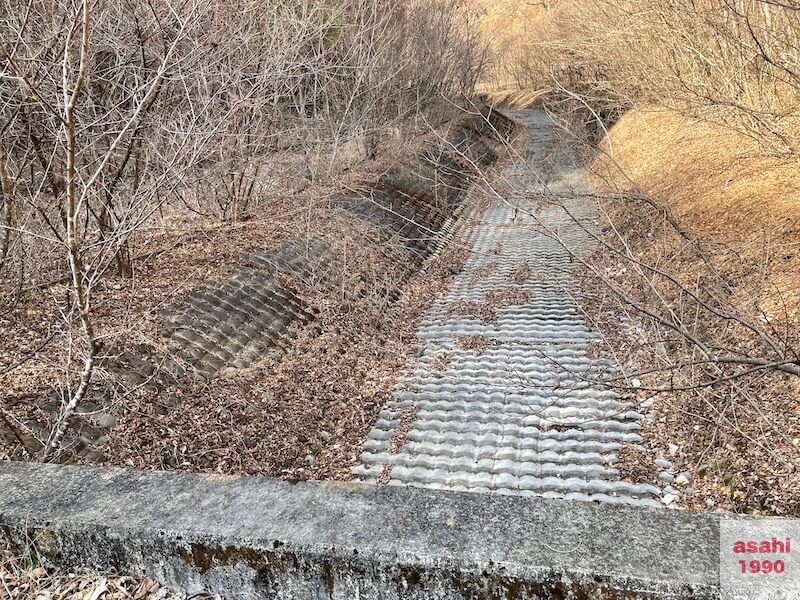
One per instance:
[(740, 439)]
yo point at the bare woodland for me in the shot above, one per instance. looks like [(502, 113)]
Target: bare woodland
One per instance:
[(123, 120), (128, 128)]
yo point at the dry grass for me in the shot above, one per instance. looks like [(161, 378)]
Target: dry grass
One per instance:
[(22, 579), (735, 63), (721, 185), (741, 441), (506, 25)]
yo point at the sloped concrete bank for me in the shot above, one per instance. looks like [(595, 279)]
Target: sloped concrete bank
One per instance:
[(260, 538), (252, 311)]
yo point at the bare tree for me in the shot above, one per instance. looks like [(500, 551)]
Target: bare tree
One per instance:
[(729, 61), (119, 117)]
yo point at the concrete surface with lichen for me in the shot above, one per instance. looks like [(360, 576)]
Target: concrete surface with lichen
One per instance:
[(254, 537)]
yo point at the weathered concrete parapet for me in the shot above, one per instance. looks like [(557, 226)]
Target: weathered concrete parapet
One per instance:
[(252, 537)]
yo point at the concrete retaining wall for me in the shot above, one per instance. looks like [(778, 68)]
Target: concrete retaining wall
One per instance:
[(252, 537)]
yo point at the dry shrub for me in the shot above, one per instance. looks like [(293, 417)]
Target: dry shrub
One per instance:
[(741, 435), (506, 25), (187, 111), (120, 120), (732, 61), (726, 190)]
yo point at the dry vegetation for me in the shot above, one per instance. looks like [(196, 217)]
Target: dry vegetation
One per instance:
[(737, 425), (24, 579), (145, 148), (695, 107), (731, 61), (507, 27), (744, 201)]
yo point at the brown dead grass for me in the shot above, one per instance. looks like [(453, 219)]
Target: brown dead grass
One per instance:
[(743, 207), (722, 186), (704, 165), (505, 25), (21, 579)]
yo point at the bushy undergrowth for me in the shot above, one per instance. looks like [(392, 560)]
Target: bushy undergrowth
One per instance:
[(126, 119), (736, 62), (183, 107)]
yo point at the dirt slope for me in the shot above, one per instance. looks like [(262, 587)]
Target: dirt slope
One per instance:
[(721, 185)]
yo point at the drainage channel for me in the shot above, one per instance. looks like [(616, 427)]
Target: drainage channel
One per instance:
[(503, 399), (516, 415), (251, 313)]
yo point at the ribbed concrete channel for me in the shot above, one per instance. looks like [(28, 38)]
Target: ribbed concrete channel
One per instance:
[(517, 415), (520, 413), (251, 312)]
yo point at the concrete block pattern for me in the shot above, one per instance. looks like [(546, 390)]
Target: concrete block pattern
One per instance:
[(236, 322), (524, 413), (249, 315)]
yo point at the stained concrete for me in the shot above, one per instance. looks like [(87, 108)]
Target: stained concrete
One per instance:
[(528, 415), (259, 538)]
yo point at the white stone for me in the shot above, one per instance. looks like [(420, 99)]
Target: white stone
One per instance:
[(673, 449)]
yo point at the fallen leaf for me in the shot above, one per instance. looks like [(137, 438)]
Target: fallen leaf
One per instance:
[(100, 590), (144, 588)]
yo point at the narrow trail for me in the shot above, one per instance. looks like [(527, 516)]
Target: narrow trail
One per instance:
[(502, 399)]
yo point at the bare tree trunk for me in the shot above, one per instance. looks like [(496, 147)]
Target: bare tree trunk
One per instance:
[(7, 219), (73, 251)]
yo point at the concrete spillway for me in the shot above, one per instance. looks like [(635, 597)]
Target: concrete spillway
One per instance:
[(523, 414)]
